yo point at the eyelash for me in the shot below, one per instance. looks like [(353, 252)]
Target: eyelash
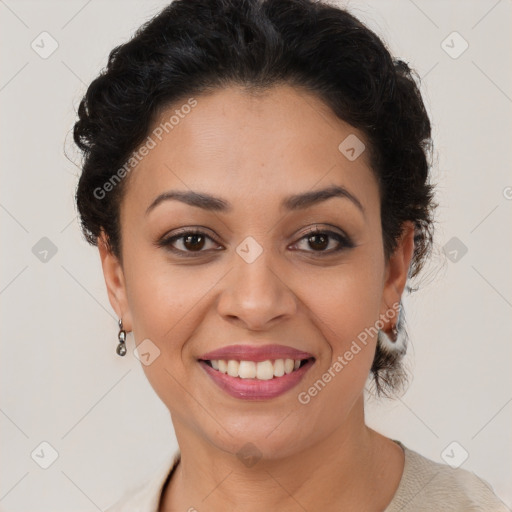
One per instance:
[(344, 242)]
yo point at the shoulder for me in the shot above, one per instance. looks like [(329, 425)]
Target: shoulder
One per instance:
[(146, 496), (427, 485)]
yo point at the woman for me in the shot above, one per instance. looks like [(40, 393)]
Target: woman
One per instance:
[(256, 179)]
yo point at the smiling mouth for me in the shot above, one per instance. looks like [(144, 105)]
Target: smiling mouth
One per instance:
[(256, 370)]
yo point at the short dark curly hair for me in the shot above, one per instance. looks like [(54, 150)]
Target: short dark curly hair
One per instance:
[(194, 47)]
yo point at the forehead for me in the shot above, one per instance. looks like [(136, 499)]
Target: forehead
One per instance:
[(250, 145)]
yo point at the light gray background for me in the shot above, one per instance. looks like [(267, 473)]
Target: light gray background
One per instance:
[(61, 381)]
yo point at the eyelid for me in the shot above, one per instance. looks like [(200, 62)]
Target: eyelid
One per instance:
[(344, 241), (321, 228), (329, 230), (166, 240), (193, 229)]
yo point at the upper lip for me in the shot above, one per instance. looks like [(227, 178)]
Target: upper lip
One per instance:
[(255, 353)]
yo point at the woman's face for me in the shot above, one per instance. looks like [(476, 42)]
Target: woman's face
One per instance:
[(254, 276)]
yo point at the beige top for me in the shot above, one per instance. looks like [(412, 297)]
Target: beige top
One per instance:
[(425, 485)]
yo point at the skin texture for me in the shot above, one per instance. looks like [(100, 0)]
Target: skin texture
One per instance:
[(253, 150)]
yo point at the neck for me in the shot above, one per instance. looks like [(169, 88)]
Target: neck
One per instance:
[(354, 468)]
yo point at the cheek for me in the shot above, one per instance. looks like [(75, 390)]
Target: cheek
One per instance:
[(346, 312), (167, 304), (348, 298), (162, 321), (168, 301), (346, 306), (165, 299)]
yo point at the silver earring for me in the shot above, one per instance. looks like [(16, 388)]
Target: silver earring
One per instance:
[(393, 344), (121, 348), (387, 343)]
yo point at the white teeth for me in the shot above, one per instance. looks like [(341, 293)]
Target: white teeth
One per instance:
[(262, 370), (279, 367), (233, 368), (288, 365), (223, 365), (247, 370), (265, 370)]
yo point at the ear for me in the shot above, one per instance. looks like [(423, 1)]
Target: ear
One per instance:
[(397, 270), (115, 281)]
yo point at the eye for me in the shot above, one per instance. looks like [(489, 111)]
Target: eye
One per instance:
[(196, 241), (321, 239), (191, 241)]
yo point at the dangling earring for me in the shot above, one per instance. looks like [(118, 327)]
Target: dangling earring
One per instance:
[(121, 348), (393, 344)]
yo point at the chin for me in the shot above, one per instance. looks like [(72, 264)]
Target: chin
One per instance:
[(267, 437)]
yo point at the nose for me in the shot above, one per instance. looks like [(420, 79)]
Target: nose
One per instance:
[(256, 295)]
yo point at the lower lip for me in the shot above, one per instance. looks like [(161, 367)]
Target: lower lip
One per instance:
[(254, 389)]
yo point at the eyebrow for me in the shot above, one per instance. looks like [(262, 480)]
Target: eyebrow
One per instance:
[(292, 203)]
